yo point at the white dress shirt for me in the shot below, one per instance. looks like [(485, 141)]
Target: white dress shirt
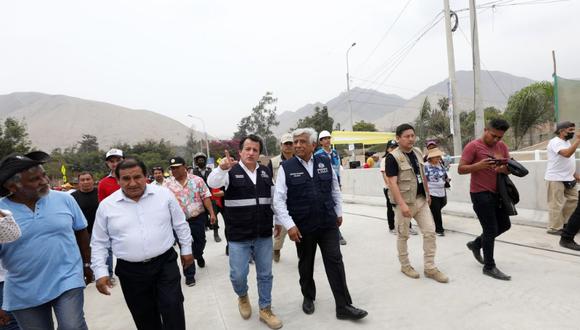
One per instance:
[(281, 194), (137, 231)]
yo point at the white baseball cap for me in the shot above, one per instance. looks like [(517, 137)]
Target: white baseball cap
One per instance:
[(323, 134), (287, 137), (114, 152)]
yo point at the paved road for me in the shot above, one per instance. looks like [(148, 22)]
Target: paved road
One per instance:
[(543, 294)]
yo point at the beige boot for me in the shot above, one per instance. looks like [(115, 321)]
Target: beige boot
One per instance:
[(245, 307), (436, 275), (409, 271), (269, 318)]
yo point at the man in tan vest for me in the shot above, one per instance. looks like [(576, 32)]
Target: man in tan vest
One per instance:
[(286, 152), (410, 193)]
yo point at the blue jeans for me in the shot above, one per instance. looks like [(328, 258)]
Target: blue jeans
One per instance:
[(68, 309), (11, 325), (240, 253)]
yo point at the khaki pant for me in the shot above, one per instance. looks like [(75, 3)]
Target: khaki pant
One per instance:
[(561, 204), (279, 241), (422, 214)]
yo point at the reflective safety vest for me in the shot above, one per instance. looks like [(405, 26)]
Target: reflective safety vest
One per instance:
[(248, 212)]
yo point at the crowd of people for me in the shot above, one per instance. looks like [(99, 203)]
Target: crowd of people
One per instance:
[(128, 225)]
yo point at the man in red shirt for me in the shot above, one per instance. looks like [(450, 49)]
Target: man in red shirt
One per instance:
[(484, 159), (108, 184), (106, 187)]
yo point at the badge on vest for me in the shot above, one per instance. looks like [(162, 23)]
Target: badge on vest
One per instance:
[(322, 169), (296, 174), (264, 175), (239, 176)]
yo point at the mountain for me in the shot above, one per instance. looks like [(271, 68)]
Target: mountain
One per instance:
[(387, 111), (367, 105), (59, 121)]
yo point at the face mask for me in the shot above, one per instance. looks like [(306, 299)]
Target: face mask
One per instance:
[(569, 136)]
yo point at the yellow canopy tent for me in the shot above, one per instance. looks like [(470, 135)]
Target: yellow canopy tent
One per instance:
[(348, 137)]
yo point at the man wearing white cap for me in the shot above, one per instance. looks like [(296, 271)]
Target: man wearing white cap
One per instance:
[(286, 152), (332, 154), (106, 187)]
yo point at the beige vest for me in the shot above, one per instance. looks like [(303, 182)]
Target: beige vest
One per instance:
[(276, 165), (406, 180)]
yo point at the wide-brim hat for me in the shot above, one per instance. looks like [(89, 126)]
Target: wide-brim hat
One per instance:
[(15, 163), (435, 152)]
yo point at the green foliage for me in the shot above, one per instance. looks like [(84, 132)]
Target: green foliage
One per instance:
[(13, 138), (467, 120), (363, 126), (433, 123), (260, 122), (531, 106), (320, 120), (88, 144)]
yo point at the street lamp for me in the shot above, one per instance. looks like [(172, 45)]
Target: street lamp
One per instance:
[(348, 85), (204, 132)]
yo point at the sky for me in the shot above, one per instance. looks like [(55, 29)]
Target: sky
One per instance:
[(215, 59)]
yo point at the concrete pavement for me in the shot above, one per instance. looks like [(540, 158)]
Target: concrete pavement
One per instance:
[(543, 293)]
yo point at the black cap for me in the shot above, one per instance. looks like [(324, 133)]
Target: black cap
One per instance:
[(563, 125), (392, 144), (176, 161), (15, 163)]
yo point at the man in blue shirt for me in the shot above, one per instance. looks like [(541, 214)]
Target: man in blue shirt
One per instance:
[(332, 154), (45, 265)]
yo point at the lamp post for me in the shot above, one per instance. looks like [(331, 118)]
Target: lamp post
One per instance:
[(348, 85), (204, 132)]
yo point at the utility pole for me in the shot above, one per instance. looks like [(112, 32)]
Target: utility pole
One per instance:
[(477, 101), (454, 124), (348, 85)]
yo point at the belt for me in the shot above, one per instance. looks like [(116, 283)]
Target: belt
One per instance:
[(150, 259)]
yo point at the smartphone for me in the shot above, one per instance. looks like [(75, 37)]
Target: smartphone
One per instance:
[(500, 161)]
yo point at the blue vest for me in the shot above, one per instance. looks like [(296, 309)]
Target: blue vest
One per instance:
[(247, 207), (309, 201)]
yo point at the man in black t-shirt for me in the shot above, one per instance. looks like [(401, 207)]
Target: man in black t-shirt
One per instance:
[(87, 198), (410, 193)]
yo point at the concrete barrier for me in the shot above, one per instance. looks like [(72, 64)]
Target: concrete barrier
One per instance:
[(366, 186)]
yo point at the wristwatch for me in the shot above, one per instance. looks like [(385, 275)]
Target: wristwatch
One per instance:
[(87, 265)]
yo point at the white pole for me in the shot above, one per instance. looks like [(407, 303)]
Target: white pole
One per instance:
[(477, 101), (452, 82)]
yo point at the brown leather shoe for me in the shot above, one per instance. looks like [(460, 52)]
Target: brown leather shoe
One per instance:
[(271, 320), (245, 307), (410, 271), (276, 255)]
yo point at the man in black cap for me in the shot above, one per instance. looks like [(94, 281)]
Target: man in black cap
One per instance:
[(193, 196), (561, 176), (52, 255)]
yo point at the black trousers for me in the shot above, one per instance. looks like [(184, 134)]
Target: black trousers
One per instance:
[(437, 204), (327, 239), (390, 211), (152, 291), (494, 222), (573, 226), (196, 226)]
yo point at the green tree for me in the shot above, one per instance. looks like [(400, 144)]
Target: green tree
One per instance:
[(320, 120), (433, 123), (529, 107), (88, 144), (260, 122), (13, 138), (467, 120), (363, 126)]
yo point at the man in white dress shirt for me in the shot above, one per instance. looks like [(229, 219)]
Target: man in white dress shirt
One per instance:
[(137, 222), (308, 203)]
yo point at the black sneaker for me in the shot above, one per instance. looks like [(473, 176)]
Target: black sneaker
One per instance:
[(190, 281), (201, 262)]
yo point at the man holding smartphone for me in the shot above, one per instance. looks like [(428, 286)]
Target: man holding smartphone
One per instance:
[(484, 159)]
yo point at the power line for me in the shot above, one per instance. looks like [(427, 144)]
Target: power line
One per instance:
[(385, 34)]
